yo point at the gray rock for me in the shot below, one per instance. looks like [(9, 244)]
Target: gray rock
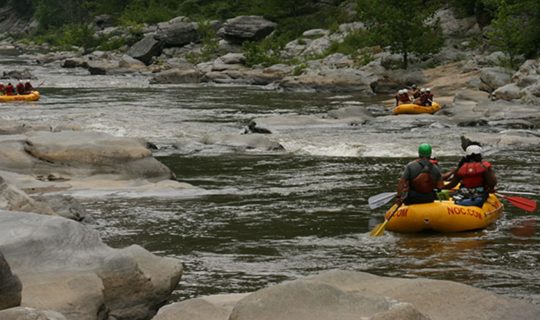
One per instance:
[(96, 152), (342, 80), (75, 63), (193, 309), (493, 78), (10, 286), (90, 280), (233, 58), (14, 199), (25, 313), (177, 75), (508, 92), (18, 74), (177, 32), (145, 49), (246, 28), (315, 33), (305, 300)]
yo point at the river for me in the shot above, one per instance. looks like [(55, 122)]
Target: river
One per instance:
[(266, 217)]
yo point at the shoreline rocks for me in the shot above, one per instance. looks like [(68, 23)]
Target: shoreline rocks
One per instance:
[(89, 279)]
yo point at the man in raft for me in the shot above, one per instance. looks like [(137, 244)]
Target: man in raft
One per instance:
[(420, 179), (476, 176), (20, 87)]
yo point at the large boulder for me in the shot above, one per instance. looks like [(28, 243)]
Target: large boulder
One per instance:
[(65, 267), (145, 49), (177, 75), (82, 154), (341, 80), (356, 295), (246, 28), (25, 313), (10, 286), (493, 78), (14, 199), (177, 32)]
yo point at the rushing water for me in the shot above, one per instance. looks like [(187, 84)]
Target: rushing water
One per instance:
[(272, 216)]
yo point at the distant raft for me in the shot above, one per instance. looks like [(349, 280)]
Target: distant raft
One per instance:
[(410, 108), (444, 216), (32, 96)]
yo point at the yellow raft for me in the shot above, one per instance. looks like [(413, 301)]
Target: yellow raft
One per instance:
[(411, 108), (444, 216), (32, 96)]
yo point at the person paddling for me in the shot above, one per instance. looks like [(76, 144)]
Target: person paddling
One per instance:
[(476, 176), (28, 88), (420, 179), (2, 89), (10, 90), (20, 87)]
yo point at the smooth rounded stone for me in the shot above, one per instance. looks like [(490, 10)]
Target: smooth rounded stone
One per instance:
[(194, 309), (25, 313), (493, 78), (177, 75), (177, 32), (90, 280), (303, 300)]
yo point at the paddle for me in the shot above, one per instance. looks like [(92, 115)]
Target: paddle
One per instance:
[(518, 192), (528, 205), (380, 199), (379, 229)]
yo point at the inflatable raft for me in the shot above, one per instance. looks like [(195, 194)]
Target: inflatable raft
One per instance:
[(444, 216), (416, 109), (33, 96)]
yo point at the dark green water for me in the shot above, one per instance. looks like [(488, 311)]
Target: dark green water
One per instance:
[(278, 217)]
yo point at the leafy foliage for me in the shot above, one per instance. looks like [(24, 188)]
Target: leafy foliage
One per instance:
[(402, 27)]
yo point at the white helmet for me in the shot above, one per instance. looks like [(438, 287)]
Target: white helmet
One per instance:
[(473, 149), (400, 91), (423, 90), (428, 89)]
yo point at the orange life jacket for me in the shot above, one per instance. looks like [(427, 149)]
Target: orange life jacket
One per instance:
[(472, 174)]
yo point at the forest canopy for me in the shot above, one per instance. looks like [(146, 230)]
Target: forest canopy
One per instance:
[(514, 24)]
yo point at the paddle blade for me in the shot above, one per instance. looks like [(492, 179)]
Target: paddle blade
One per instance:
[(379, 229), (380, 199), (528, 205)]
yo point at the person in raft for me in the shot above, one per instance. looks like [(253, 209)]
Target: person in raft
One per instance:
[(28, 88), (426, 98), (2, 89), (403, 97), (415, 91), (20, 87), (420, 179), (10, 90), (476, 176)]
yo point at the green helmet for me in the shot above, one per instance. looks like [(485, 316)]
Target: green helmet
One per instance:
[(424, 150)]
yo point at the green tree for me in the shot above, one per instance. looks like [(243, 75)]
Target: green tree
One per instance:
[(403, 26), (507, 33)]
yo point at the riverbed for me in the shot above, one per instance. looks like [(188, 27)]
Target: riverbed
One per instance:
[(266, 217)]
